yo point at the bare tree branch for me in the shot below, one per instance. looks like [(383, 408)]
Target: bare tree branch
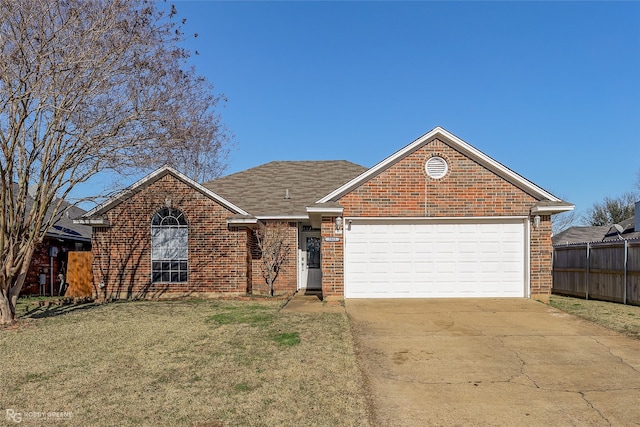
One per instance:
[(611, 210), (274, 249), (88, 86)]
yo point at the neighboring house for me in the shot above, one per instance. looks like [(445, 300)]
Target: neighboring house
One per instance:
[(438, 218), (50, 257), (627, 229), (601, 262)]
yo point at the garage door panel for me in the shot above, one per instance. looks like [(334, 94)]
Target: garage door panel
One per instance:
[(484, 259)]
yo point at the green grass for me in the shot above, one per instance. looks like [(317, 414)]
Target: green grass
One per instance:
[(255, 315), (192, 363), (287, 339), (618, 317)]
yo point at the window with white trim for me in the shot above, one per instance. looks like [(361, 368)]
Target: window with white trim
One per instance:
[(169, 246)]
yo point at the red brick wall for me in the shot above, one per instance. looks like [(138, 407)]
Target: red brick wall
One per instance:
[(41, 260), (287, 281), (541, 257), (122, 253), (332, 260), (468, 189)]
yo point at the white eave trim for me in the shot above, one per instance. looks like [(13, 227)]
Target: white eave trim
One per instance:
[(549, 210), (505, 218), (157, 174), (242, 222), (327, 210), (458, 144), (282, 217), (94, 222)]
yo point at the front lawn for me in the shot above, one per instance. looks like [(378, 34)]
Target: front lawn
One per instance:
[(618, 317), (192, 363)]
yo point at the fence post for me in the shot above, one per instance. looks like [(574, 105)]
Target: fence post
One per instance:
[(626, 256), (553, 268), (586, 293)]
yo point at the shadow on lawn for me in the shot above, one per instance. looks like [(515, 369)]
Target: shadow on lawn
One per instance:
[(52, 310)]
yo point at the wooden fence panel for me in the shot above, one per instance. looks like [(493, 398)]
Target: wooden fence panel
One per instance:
[(633, 273), (569, 270), (79, 275), (607, 271)]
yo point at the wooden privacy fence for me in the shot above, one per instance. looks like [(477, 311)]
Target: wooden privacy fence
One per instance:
[(608, 271), (79, 275)]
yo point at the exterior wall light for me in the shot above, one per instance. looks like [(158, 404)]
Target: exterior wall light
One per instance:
[(339, 224), (536, 221)]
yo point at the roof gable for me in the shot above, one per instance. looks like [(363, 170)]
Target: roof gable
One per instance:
[(464, 148), (149, 180)]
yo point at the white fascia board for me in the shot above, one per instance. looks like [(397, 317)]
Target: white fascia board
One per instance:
[(283, 217), (329, 210), (157, 174), (242, 222), (549, 210), (458, 144), (94, 222), (437, 218)]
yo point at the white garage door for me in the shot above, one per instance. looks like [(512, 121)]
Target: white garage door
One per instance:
[(476, 258)]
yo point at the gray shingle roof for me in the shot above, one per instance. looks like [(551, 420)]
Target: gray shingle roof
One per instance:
[(261, 190), (64, 227), (597, 233)]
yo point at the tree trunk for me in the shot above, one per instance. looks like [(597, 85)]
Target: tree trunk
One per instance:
[(9, 296), (7, 309)]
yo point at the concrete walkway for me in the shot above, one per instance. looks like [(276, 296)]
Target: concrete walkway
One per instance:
[(311, 302), (502, 362)]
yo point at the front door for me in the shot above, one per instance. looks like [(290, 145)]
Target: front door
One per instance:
[(309, 254)]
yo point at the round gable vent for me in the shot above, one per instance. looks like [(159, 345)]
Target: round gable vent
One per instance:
[(436, 167)]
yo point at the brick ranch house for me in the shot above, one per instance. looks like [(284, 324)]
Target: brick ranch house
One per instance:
[(438, 218)]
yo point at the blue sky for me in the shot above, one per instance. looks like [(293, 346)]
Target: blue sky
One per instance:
[(549, 89)]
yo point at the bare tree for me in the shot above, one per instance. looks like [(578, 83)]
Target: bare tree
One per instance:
[(88, 86), (564, 220), (274, 249), (611, 210)]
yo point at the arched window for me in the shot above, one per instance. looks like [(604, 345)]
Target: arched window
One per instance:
[(169, 246)]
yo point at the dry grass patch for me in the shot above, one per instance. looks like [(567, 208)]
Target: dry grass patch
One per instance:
[(184, 363), (618, 317)]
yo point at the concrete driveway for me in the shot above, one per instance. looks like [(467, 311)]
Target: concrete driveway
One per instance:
[(492, 362)]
